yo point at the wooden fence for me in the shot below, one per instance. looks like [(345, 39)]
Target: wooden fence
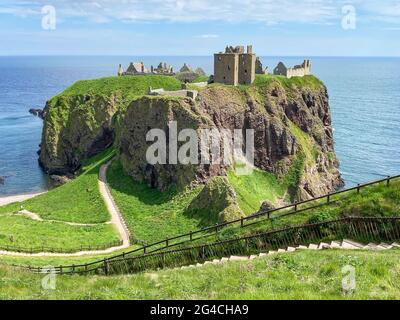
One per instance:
[(192, 236), (362, 229)]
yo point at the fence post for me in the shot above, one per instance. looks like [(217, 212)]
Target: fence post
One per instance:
[(191, 235), (241, 222), (105, 267), (166, 243), (144, 249), (295, 206), (216, 229), (388, 181), (358, 188), (328, 198)]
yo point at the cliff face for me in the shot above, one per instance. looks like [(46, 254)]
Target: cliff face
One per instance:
[(292, 125), (75, 128), (290, 117)]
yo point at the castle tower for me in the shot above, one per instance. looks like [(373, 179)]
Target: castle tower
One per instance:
[(235, 66), (247, 66), (307, 67), (226, 68)]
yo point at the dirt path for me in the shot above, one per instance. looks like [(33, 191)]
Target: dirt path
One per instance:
[(116, 217), (116, 220)]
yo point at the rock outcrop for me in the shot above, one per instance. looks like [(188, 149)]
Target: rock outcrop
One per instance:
[(290, 118), (218, 200), (292, 128), (75, 128)]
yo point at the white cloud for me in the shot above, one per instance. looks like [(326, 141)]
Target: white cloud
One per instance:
[(208, 36), (269, 12)]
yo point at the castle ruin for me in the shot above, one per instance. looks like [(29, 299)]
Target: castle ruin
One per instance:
[(297, 71), (138, 68), (235, 66)]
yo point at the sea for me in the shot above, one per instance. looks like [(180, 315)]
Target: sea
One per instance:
[(364, 99)]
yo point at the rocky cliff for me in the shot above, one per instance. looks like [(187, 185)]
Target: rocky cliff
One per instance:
[(291, 120), (290, 117)]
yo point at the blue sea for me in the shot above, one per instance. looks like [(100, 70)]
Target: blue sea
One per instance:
[(364, 97)]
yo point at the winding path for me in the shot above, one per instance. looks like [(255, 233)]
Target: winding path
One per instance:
[(116, 219)]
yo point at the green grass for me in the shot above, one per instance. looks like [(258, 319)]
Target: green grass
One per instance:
[(300, 275), (311, 82), (151, 215), (201, 79), (253, 189), (18, 231), (378, 200), (78, 201), (129, 86)]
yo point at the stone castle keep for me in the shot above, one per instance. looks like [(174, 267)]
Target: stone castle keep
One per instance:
[(235, 66)]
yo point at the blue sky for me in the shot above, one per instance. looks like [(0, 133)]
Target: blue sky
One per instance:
[(201, 27)]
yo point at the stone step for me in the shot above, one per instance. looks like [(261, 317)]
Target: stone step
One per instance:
[(252, 257), (199, 265), (237, 258), (324, 245), (335, 244), (223, 260), (216, 261), (272, 252), (291, 249), (281, 250), (385, 245), (302, 247), (263, 255), (313, 246), (348, 244), (395, 244)]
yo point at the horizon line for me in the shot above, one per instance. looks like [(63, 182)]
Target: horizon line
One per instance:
[(181, 55)]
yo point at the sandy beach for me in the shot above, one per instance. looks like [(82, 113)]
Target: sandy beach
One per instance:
[(18, 198)]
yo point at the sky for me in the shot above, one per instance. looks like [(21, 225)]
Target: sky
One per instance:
[(200, 27)]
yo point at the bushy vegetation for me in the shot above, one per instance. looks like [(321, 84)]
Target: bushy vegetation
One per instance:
[(299, 275)]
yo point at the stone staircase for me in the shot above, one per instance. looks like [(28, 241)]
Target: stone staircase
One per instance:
[(343, 245)]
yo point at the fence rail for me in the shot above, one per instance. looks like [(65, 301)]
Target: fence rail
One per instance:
[(167, 243), (43, 248), (362, 229)]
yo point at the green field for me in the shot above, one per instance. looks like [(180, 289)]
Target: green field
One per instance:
[(78, 201), (298, 275), (151, 215)]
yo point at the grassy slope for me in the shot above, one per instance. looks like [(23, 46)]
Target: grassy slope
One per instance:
[(77, 201), (151, 215), (130, 86), (283, 276), (372, 201), (252, 190)]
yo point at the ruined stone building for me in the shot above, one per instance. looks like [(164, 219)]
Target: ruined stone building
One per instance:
[(297, 71), (138, 68), (235, 66), (259, 67)]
